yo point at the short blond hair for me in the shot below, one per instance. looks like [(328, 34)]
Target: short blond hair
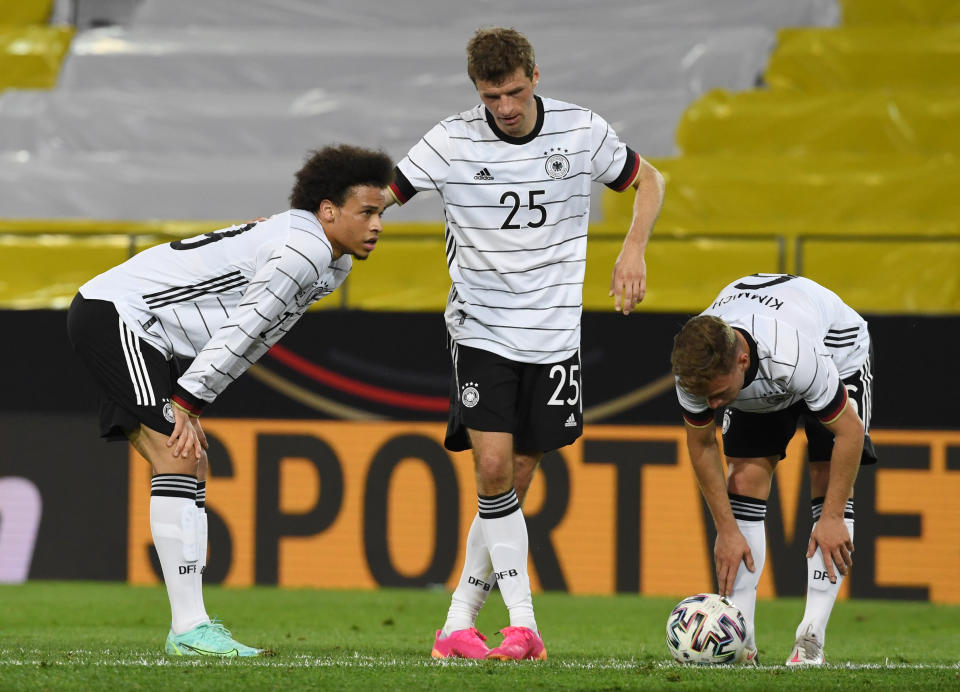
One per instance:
[(705, 348)]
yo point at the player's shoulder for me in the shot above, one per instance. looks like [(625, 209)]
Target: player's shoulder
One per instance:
[(301, 226), (552, 105), (469, 119), (566, 113)]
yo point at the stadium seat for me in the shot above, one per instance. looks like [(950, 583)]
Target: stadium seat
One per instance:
[(528, 16), (867, 57), (30, 56), (25, 12), (873, 12), (881, 121)]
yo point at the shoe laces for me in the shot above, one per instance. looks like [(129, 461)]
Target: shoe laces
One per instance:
[(810, 647), (217, 628), (517, 632), (478, 633)]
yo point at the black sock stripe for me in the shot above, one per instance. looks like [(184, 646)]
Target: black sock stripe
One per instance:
[(163, 492), (496, 506), (502, 513)]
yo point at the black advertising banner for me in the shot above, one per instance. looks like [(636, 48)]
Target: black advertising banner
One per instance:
[(328, 469)]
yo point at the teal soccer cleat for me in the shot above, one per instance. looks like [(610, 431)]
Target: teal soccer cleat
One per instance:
[(208, 639)]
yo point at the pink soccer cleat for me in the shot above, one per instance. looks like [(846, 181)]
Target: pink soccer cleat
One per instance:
[(519, 644), (460, 644)]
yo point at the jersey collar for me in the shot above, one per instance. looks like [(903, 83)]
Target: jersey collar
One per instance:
[(754, 360), (529, 137)]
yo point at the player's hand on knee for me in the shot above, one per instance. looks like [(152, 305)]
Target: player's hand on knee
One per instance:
[(184, 438), (833, 539)]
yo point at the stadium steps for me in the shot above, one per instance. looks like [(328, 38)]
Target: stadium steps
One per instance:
[(849, 155), (203, 111), (918, 122)]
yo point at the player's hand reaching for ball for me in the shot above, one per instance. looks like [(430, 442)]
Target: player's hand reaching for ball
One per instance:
[(729, 550)]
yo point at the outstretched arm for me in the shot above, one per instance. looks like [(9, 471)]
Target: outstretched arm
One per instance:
[(628, 283), (831, 534), (731, 547)]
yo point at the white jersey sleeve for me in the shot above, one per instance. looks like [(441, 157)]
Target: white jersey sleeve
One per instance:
[(516, 213), (426, 166), (223, 298), (614, 164), (261, 317)]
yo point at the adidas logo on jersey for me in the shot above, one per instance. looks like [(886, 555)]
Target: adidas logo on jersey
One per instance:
[(484, 174), (571, 422)]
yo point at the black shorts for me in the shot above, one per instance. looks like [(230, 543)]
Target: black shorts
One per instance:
[(751, 435), (540, 405), (133, 378)]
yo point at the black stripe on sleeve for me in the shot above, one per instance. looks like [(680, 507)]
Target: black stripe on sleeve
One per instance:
[(835, 407), (699, 420), (401, 187), (630, 168)]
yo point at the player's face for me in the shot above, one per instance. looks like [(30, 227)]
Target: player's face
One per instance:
[(511, 102), (354, 228), (723, 389)]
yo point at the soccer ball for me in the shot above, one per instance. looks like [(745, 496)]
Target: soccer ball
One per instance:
[(706, 629)]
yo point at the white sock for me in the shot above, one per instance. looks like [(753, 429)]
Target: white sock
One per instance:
[(475, 583), (202, 533), (750, 514), (202, 548), (174, 524), (505, 533), (821, 594)]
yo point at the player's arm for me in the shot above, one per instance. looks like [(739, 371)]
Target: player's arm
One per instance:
[(282, 273), (831, 534), (731, 547), (628, 283)]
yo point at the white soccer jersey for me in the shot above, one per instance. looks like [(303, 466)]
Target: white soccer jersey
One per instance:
[(223, 298), (803, 339), (517, 210)]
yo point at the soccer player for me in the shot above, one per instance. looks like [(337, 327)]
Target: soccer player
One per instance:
[(774, 349), (219, 301), (514, 175)]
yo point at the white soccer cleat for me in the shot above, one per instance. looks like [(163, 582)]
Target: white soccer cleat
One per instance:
[(807, 651)]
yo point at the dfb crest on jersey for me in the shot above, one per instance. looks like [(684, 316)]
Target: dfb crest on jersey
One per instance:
[(557, 166), (726, 421), (470, 395), (312, 293), (168, 413)]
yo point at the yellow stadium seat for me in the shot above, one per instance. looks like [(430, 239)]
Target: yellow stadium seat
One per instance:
[(44, 271), (881, 121), (869, 57), (887, 275), (25, 12), (871, 12), (30, 56)]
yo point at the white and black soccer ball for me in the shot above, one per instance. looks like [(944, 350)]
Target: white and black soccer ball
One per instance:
[(706, 629)]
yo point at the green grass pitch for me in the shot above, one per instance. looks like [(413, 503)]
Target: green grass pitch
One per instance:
[(74, 635)]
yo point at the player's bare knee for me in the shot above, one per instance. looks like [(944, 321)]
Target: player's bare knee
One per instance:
[(494, 475), (750, 477)]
